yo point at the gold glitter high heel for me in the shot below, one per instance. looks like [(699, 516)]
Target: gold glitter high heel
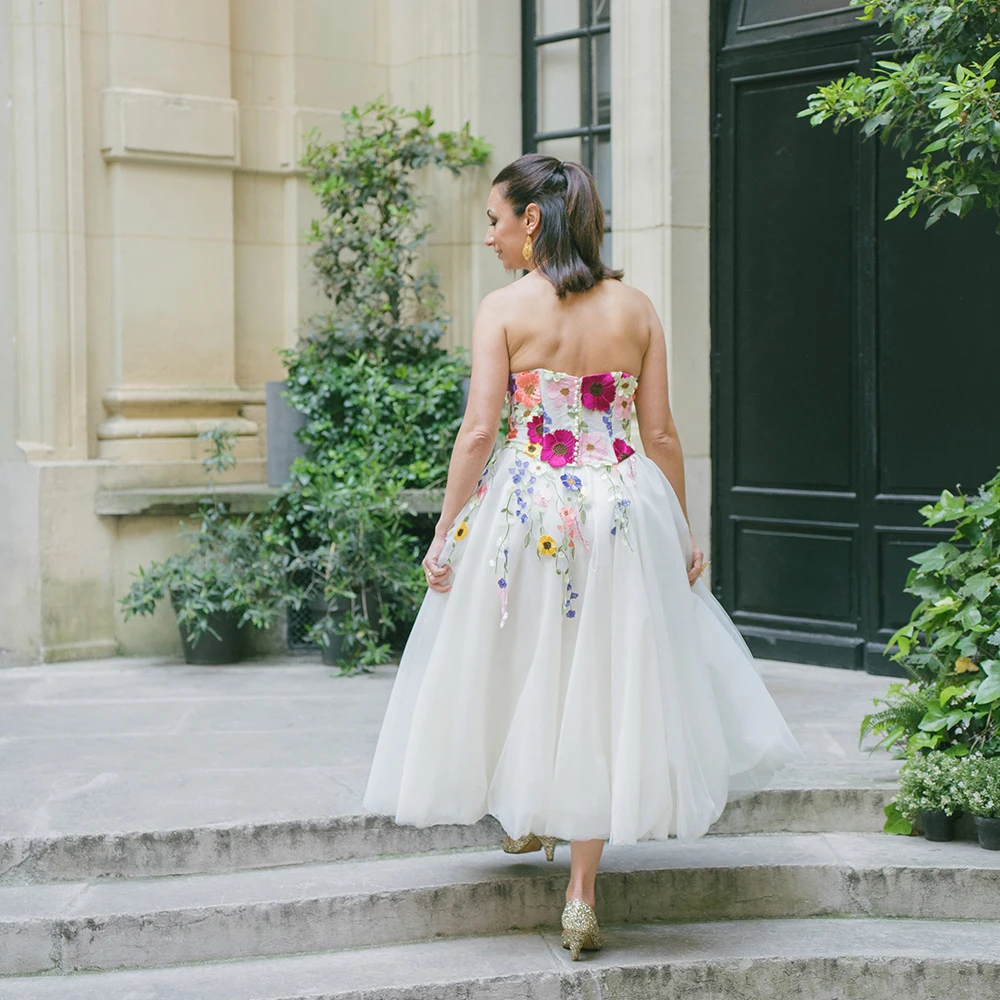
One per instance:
[(579, 929), (529, 843)]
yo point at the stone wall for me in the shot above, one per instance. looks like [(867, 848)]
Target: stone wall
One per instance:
[(152, 253)]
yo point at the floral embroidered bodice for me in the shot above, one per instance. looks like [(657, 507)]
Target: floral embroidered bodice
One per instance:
[(571, 419), (557, 423)]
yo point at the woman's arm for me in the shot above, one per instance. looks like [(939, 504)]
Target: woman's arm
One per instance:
[(660, 440), (478, 433)]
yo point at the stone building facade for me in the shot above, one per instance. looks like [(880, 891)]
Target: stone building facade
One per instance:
[(152, 249)]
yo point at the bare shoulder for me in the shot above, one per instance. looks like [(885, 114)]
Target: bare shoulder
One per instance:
[(632, 299), (516, 302)]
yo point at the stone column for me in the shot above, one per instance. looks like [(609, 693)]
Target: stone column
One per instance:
[(463, 58), (170, 136), (661, 177), (50, 356), (53, 595), (296, 66)]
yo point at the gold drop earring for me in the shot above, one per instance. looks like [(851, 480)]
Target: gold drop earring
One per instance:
[(526, 250)]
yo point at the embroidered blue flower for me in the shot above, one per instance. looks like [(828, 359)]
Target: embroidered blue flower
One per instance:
[(571, 482)]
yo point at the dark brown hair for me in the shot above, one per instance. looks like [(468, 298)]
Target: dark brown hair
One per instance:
[(567, 245)]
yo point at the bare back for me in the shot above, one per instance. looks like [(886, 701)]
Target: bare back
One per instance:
[(604, 329)]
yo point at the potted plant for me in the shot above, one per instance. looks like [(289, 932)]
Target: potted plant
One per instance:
[(229, 578), (380, 398), (370, 573), (929, 792), (979, 792), (950, 648)]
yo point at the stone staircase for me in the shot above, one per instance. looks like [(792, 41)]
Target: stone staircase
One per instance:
[(124, 874), (794, 894)]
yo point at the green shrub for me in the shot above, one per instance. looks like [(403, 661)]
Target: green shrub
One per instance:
[(950, 648), (978, 782), (382, 399), (228, 568), (937, 104), (929, 782)]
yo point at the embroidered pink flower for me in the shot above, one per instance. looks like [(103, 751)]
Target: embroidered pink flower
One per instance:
[(593, 448), (568, 517), (511, 427), (571, 526), (623, 449), (535, 429), (481, 492), (528, 393), (622, 408), (598, 391), (558, 448), (560, 392)]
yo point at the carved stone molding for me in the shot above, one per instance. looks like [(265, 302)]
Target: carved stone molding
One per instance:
[(154, 126)]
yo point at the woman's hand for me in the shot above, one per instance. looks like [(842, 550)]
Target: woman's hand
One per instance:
[(437, 576), (698, 563)]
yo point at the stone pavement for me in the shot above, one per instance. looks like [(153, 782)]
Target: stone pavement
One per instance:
[(190, 833), (132, 745)]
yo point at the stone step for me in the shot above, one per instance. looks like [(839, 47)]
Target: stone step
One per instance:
[(307, 908), (238, 847), (808, 959)]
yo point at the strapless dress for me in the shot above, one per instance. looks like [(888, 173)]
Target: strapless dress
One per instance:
[(572, 683)]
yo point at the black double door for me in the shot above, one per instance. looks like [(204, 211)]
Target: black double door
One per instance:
[(854, 360)]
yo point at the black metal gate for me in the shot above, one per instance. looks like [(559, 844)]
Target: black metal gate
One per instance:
[(853, 359)]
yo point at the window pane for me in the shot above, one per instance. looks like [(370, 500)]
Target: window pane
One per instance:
[(556, 15), (602, 80), (602, 172), (602, 11), (606, 250), (562, 149), (559, 85)]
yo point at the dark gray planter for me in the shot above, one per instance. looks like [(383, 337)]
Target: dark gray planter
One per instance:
[(937, 825), (214, 650), (988, 829), (283, 421), (330, 653)]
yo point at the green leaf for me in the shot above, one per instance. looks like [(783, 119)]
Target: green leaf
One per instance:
[(895, 821), (979, 586), (923, 741), (989, 689), (949, 692)]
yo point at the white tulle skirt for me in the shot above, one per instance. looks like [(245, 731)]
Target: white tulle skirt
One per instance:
[(637, 718)]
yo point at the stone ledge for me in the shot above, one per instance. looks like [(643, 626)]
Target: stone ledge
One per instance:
[(754, 960), (113, 924), (244, 498), (232, 847)]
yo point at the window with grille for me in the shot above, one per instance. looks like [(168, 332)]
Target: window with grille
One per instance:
[(566, 86)]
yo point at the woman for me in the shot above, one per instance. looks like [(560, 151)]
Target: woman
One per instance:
[(569, 672)]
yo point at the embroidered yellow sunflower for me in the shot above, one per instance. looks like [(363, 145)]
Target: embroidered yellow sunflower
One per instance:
[(533, 449), (461, 531), (547, 545)]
